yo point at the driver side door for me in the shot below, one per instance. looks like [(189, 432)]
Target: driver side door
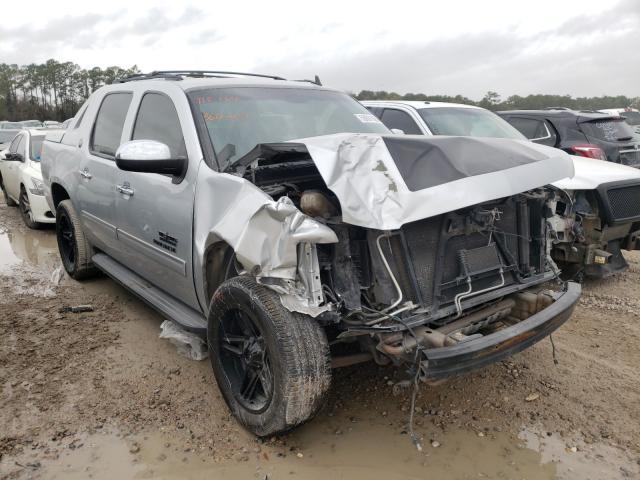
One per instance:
[(155, 211)]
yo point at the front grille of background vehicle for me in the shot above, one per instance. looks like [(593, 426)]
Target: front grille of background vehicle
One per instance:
[(624, 202)]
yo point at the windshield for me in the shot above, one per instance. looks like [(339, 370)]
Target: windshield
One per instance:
[(36, 148), (633, 118), (12, 125), (608, 130), (467, 122), (238, 119)]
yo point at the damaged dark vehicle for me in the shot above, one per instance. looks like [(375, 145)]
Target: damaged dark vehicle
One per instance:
[(320, 240)]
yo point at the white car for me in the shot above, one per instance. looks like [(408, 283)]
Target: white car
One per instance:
[(597, 213), (21, 178)]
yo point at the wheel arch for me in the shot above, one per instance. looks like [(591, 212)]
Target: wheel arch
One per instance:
[(58, 194), (216, 258)]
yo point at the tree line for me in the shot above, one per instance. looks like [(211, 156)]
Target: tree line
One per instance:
[(493, 101), (52, 90), (55, 90)]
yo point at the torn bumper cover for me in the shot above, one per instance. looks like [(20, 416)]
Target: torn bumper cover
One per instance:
[(443, 362)]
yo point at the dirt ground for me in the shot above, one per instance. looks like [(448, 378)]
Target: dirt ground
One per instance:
[(99, 395)]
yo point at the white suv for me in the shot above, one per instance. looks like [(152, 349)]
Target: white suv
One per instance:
[(21, 178)]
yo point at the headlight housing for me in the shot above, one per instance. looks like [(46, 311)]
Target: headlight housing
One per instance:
[(38, 187)]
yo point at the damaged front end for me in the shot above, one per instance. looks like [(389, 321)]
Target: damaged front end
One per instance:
[(429, 251), (590, 228)]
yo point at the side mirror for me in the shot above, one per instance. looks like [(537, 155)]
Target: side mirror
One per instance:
[(397, 131), (14, 157), (148, 156)]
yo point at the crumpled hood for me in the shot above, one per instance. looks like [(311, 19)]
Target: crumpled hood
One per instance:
[(383, 182), (591, 173)]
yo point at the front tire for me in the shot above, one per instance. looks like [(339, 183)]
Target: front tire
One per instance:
[(24, 205), (73, 246), (272, 365)]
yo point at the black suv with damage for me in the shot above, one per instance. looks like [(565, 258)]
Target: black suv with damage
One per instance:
[(283, 221)]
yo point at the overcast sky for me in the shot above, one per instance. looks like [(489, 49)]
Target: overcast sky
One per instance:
[(576, 47)]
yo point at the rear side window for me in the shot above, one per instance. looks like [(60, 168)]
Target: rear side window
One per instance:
[(107, 130), (534, 129), (158, 120), (393, 118)]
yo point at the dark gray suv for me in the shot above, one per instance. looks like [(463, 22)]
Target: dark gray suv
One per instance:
[(585, 133)]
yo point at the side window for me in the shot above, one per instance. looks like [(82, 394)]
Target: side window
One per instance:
[(107, 130), (377, 111), (534, 129), (158, 120), (393, 118)]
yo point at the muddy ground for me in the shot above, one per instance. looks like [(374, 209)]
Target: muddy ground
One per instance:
[(99, 395)]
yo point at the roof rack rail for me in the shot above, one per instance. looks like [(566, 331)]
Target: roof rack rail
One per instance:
[(180, 74), (315, 81), (556, 108)]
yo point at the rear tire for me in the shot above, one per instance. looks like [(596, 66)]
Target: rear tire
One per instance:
[(73, 246), (272, 365), (10, 202), (24, 205)]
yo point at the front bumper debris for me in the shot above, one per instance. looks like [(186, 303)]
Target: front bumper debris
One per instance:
[(444, 362)]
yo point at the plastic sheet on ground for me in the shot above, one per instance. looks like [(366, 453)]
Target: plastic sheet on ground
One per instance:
[(188, 344)]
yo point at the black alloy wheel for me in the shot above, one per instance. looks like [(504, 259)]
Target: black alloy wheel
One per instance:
[(24, 205), (245, 360)]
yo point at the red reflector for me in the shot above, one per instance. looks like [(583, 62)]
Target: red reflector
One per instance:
[(588, 150)]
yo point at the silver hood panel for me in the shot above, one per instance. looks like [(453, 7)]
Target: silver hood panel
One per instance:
[(361, 172)]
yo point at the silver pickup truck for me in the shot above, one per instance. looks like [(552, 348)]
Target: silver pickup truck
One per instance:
[(287, 224)]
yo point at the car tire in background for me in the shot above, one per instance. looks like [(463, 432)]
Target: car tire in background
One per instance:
[(10, 202), (272, 365), (24, 205), (73, 246)]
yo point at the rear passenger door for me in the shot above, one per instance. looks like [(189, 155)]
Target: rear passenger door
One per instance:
[(156, 211), (96, 193)]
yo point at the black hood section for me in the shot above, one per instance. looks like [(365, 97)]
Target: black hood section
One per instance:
[(426, 162)]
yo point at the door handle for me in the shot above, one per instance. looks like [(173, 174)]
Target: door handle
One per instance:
[(125, 189), (84, 173)]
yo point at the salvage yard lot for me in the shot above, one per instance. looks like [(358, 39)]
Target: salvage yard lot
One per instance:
[(98, 393)]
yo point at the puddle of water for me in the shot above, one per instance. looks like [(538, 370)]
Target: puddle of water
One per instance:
[(362, 451), (38, 248), (368, 452), (579, 460)]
